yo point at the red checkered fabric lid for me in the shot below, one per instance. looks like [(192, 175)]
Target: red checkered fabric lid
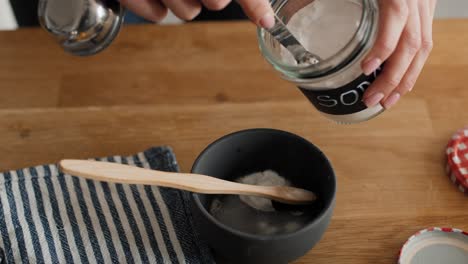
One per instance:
[(457, 159)]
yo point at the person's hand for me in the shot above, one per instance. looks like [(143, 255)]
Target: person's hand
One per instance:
[(403, 43), (259, 11)]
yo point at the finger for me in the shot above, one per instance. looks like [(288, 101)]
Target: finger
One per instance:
[(393, 18), (259, 11), (215, 4), (152, 10), (398, 63), (184, 9), (408, 82), (433, 5)]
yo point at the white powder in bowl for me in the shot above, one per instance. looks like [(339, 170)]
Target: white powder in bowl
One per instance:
[(257, 215), (266, 178)]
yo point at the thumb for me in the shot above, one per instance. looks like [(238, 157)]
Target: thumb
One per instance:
[(259, 11)]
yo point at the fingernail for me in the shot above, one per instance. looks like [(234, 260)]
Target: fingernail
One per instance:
[(392, 100), (373, 99), (267, 21), (371, 65)]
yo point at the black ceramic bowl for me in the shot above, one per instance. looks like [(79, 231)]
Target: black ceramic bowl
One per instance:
[(249, 151)]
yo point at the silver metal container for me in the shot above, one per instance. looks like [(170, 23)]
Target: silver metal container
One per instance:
[(82, 27)]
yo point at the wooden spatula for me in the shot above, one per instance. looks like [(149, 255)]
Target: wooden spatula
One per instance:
[(119, 173)]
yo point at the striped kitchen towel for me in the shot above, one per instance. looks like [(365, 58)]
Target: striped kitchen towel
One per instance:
[(48, 217)]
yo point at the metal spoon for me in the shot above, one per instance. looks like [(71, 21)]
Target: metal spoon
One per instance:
[(282, 34), (82, 27), (119, 173)]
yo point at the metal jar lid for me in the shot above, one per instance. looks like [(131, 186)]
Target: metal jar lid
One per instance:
[(436, 246)]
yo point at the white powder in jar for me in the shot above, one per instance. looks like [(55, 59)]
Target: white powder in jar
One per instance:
[(324, 27), (318, 17)]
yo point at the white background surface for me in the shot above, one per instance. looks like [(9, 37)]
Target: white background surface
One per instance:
[(445, 9), (452, 8)]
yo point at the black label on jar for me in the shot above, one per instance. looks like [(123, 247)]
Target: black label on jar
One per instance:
[(343, 100)]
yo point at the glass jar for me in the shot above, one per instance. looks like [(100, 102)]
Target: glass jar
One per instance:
[(340, 33)]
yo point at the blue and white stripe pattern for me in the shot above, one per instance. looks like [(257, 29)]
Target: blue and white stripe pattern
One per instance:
[(48, 217)]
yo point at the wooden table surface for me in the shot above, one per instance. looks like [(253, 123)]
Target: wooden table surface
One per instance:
[(185, 86)]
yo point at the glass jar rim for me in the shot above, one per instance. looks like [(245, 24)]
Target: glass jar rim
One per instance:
[(330, 65)]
